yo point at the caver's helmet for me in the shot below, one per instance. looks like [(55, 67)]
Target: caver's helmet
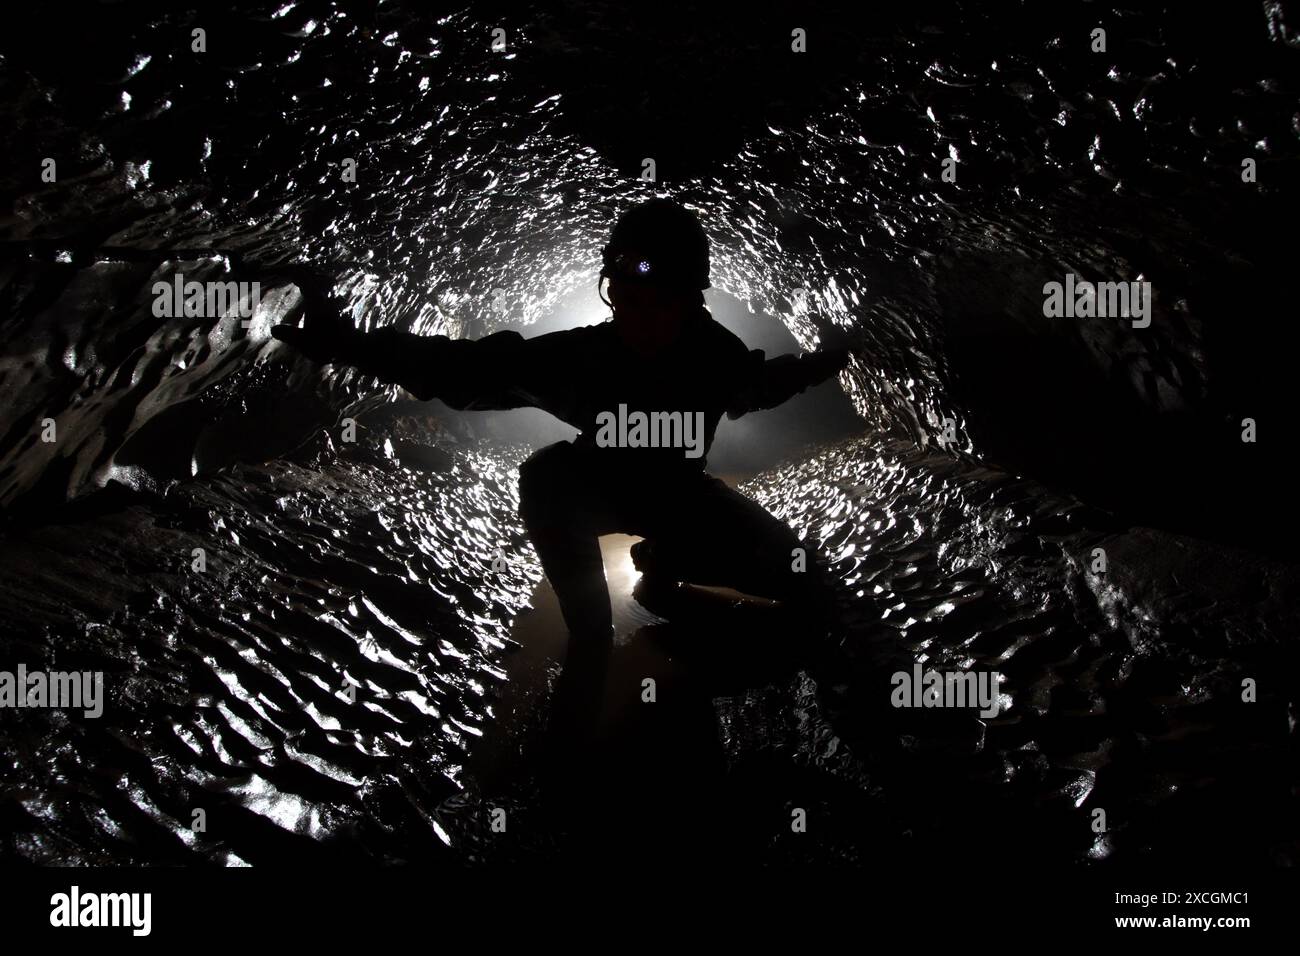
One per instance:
[(659, 242)]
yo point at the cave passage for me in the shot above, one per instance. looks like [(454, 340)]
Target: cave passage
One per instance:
[(316, 613)]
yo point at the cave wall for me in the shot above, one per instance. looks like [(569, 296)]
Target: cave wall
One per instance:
[(479, 201)]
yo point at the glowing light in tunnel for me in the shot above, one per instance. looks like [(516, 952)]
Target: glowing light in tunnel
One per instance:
[(629, 571), (620, 573)]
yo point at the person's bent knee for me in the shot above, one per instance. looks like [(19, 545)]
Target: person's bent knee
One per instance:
[(542, 479)]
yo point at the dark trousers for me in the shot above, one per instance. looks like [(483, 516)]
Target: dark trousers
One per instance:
[(701, 531), (704, 531)]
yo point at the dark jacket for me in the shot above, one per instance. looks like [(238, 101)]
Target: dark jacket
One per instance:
[(577, 374)]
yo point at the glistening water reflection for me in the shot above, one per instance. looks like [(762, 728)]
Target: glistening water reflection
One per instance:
[(487, 182), (228, 690)]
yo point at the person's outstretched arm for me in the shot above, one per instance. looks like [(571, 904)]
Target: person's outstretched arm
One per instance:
[(767, 383), (500, 371), (464, 373)]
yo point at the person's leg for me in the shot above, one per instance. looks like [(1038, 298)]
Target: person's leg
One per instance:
[(711, 534), (564, 514)]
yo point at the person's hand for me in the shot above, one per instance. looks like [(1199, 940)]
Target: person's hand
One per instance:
[(829, 335), (826, 362), (323, 344), (834, 354), (326, 335)]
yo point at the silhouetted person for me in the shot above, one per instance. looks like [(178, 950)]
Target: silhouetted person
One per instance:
[(661, 355)]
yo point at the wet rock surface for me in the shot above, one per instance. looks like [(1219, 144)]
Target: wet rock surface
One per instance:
[(301, 653), (227, 689), (481, 200), (487, 182)]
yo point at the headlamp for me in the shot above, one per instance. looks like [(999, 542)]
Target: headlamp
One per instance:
[(628, 266), (641, 267)]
